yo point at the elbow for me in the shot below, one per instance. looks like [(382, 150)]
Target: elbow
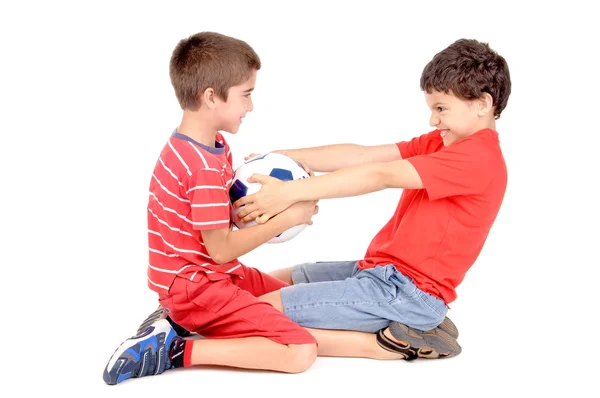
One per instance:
[(217, 256), (382, 177), (216, 245), (220, 258)]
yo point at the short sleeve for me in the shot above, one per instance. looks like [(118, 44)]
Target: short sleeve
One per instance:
[(209, 200), (420, 145), (459, 169)]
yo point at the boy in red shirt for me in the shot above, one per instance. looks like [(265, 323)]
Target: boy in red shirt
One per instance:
[(453, 180)]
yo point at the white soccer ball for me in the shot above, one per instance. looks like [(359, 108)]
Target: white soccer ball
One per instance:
[(270, 164)]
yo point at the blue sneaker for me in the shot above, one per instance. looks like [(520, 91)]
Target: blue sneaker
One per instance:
[(142, 355)]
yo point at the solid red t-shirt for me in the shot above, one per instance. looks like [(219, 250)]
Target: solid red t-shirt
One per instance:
[(436, 233)]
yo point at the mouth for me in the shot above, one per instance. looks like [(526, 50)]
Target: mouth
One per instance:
[(443, 133)]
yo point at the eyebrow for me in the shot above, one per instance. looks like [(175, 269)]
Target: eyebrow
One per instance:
[(249, 90), (438, 104)]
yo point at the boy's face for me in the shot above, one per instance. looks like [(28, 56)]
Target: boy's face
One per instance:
[(456, 118), (239, 101)]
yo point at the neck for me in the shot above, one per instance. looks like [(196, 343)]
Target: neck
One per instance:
[(487, 124), (196, 125)]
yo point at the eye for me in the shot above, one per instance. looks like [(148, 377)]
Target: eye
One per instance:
[(440, 109)]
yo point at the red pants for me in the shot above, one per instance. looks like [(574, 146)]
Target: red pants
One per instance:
[(230, 308)]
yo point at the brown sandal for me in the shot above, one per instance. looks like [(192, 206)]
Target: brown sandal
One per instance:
[(413, 343)]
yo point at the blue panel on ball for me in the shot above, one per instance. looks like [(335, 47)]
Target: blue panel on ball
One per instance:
[(237, 190), (282, 174)]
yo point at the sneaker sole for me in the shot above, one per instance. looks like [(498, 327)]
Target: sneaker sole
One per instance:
[(160, 313), (155, 316)]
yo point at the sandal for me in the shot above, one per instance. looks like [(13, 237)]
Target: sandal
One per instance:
[(449, 327), (413, 343)]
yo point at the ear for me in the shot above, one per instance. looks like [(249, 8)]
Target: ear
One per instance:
[(209, 97), (485, 104)]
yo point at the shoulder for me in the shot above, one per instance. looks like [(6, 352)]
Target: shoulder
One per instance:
[(483, 150), (481, 144), (185, 155)]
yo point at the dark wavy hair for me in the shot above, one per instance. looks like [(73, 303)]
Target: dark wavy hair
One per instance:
[(468, 69)]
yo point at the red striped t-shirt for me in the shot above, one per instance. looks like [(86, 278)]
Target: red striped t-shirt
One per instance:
[(189, 192)]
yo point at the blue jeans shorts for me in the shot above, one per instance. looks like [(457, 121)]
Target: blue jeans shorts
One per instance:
[(337, 295)]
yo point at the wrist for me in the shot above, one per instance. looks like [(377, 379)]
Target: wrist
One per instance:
[(292, 154), (290, 193), (282, 221)]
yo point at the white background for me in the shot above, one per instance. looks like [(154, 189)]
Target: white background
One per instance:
[(86, 106)]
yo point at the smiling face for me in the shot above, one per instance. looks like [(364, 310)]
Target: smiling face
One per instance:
[(239, 101), (456, 118)]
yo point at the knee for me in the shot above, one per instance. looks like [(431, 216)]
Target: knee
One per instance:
[(303, 356), (284, 274)]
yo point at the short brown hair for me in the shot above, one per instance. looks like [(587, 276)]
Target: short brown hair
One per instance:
[(469, 68), (209, 60)]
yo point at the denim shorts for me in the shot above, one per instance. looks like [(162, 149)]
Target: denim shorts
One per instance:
[(337, 295)]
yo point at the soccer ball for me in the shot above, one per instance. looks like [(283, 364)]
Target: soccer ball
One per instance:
[(271, 164)]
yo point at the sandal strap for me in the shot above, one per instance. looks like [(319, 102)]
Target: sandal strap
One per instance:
[(390, 345)]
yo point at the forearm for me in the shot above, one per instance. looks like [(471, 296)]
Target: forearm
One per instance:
[(354, 181), (327, 158), (236, 243)]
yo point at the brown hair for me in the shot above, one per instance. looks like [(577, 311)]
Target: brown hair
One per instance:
[(209, 60), (469, 68)]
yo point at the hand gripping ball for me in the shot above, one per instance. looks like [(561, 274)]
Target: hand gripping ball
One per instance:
[(271, 164)]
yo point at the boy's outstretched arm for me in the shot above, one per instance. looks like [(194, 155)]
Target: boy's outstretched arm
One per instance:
[(224, 245), (330, 158), (275, 195)]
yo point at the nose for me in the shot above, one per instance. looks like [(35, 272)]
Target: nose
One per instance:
[(434, 120), (250, 106)]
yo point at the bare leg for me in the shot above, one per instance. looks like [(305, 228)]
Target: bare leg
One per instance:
[(341, 343), (148, 353), (346, 343), (283, 274), (254, 353)]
